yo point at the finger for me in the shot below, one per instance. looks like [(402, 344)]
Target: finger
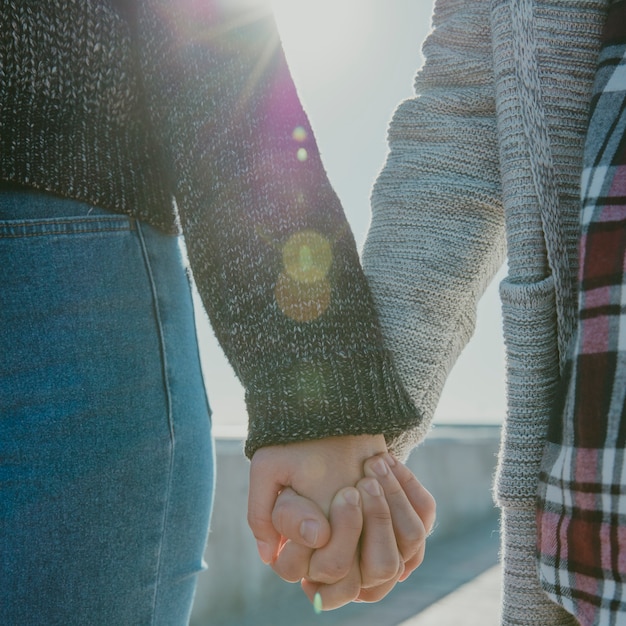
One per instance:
[(423, 503), (292, 562), (338, 594), (419, 497), (333, 562), (407, 525), (412, 564), (265, 485), (380, 559), (374, 594), (300, 519)]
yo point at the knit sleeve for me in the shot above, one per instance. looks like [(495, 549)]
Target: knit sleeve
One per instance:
[(269, 246), (437, 232)]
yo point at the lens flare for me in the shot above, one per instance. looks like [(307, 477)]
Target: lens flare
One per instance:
[(302, 302), (303, 291), (302, 155), (307, 256), (299, 134)]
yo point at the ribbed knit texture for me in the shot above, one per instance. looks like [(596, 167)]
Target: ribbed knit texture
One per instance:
[(490, 151), (193, 100)]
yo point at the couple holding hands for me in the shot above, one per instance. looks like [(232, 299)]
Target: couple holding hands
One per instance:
[(126, 125)]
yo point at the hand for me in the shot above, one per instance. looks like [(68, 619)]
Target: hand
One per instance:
[(411, 505), (396, 524), (397, 530), (316, 469)]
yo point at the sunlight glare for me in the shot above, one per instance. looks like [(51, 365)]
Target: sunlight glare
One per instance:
[(323, 38)]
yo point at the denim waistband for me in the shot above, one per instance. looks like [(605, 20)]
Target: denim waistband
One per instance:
[(26, 204)]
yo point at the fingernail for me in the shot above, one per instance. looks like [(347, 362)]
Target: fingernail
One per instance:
[(372, 487), (265, 552), (317, 603), (391, 461), (309, 530), (380, 467), (351, 496)]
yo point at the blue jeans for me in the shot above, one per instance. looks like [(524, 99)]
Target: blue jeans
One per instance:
[(106, 455)]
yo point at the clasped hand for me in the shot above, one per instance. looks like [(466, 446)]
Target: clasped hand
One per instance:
[(340, 514)]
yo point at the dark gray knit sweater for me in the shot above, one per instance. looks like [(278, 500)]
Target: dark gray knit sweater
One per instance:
[(129, 105)]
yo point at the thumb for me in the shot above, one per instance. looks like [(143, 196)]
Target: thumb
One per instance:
[(300, 519)]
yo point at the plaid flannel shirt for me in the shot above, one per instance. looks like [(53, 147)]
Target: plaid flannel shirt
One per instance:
[(581, 512)]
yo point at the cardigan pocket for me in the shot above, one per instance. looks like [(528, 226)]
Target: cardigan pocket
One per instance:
[(529, 320)]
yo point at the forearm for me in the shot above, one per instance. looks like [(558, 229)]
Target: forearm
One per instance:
[(271, 250), (437, 233)]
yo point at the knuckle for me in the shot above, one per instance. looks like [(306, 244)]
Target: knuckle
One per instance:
[(382, 573), (329, 572), (373, 595), (347, 590), (393, 489), (341, 594), (292, 562), (378, 517), (389, 571), (415, 561), (415, 536), (288, 573), (353, 589), (409, 550)]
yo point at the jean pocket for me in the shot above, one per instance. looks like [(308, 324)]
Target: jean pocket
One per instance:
[(61, 276)]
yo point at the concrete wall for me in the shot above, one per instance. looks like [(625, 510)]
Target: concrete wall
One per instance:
[(455, 463)]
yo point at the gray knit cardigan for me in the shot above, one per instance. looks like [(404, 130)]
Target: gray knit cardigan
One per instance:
[(129, 104), (487, 158)]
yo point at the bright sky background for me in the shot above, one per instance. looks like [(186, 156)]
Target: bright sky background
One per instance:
[(353, 61)]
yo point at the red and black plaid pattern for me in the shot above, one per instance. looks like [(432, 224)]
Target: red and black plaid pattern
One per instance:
[(582, 497)]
